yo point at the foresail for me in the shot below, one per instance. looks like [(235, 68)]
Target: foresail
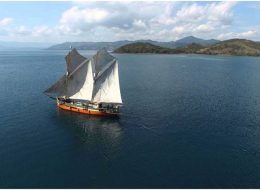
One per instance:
[(106, 87), (80, 83), (100, 60), (58, 88), (73, 60), (96, 81)]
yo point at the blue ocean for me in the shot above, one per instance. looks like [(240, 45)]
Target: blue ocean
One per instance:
[(188, 121)]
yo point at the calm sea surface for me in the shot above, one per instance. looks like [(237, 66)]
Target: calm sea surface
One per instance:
[(188, 121)]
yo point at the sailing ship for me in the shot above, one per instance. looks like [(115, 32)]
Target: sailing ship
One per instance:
[(90, 86)]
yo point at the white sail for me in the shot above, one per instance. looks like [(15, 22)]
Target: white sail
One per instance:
[(80, 82), (106, 86)]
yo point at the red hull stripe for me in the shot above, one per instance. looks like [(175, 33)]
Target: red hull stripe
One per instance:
[(83, 111)]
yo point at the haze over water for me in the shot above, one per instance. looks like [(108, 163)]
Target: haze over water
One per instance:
[(188, 121)]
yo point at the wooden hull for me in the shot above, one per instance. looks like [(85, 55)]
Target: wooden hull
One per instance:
[(85, 111)]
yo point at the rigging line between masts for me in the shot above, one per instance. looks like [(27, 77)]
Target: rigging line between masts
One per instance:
[(102, 91)]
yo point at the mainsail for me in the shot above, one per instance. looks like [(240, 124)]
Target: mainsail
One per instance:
[(93, 80), (106, 87), (100, 60)]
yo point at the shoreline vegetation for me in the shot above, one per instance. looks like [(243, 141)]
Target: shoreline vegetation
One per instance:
[(187, 45), (237, 47)]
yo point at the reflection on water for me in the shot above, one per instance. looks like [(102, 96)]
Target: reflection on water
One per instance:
[(103, 133), (187, 122)]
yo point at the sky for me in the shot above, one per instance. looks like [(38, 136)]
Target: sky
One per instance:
[(57, 22)]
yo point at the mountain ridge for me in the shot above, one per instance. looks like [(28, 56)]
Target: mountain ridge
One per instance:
[(241, 47), (233, 47), (144, 47), (191, 39), (113, 45)]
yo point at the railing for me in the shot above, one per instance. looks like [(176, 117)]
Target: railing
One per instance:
[(107, 109)]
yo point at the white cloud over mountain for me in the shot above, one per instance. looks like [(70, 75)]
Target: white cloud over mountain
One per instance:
[(248, 34), (165, 21), (135, 20)]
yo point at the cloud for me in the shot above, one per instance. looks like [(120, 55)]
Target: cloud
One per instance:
[(132, 20), (22, 31), (217, 13), (76, 18), (221, 12), (113, 15), (247, 34), (6, 21), (42, 31), (190, 13), (203, 19), (147, 19), (139, 24), (203, 28)]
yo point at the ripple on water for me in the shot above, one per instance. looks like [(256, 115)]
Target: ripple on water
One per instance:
[(187, 121)]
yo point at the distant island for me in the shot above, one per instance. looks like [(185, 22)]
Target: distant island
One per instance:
[(233, 47), (141, 47), (187, 45), (239, 47), (114, 45)]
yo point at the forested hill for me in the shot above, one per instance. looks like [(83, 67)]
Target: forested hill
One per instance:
[(228, 47)]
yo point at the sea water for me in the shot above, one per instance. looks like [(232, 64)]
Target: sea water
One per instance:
[(188, 121)]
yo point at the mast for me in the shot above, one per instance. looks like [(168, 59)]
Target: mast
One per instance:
[(100, 60), (95, 80), (73, 60), (107, 87), (77, 83), (80, 82)]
